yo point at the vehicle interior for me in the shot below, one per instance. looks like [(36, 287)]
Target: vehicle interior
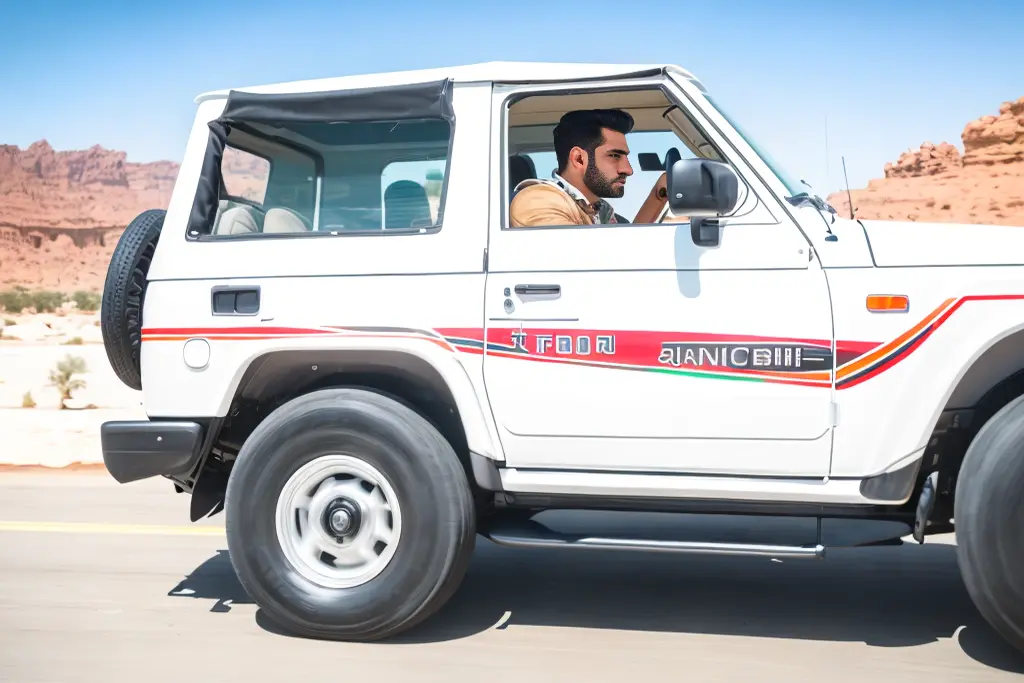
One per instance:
[(661, 132), (376, 175)]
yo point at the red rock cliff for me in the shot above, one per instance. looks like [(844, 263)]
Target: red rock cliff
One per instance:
[(61, 213), (937, 183), (97, 187)]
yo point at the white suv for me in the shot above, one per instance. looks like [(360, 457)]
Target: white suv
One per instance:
[(342, 341)]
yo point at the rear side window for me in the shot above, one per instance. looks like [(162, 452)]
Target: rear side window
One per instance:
[(326, 164), (344, 178)]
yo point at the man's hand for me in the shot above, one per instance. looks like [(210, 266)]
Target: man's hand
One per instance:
[(660, 189)]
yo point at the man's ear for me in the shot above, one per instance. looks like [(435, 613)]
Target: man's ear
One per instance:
[(578, 158)]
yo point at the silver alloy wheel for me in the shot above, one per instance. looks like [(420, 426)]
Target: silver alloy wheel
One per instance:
[(338, 521)]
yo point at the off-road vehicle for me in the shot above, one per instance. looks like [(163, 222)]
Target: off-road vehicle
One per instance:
[(341, 341)]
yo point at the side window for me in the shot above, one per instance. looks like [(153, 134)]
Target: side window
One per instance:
[(245, 175), (658, 128), (303, 178)]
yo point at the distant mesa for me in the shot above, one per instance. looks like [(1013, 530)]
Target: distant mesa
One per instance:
[(938, 183)]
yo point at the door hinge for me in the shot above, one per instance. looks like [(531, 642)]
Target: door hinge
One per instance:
[(485, 259), (833, 411)]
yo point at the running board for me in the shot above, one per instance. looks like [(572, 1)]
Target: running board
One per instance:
[(531, 534)]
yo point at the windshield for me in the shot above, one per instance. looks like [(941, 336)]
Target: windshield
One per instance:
[(792, 183)]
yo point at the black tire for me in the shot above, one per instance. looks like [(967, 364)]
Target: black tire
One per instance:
[(438, 517), (124, 293), (989, 518)]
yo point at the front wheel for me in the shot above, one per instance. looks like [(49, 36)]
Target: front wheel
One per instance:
[(349, 517), (989, 518)]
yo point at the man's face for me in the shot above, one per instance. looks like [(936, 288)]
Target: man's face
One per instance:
[(608, 167)]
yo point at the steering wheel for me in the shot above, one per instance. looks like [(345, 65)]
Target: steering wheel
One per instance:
[(671, 157)]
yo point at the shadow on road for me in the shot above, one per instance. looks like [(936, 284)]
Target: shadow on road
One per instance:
[(881, 596)]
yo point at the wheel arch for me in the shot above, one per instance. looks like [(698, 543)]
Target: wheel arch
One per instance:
[(990, 370), (995, 364), (990, 378), (441, 391)]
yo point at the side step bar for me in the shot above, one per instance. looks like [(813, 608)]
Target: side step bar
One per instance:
[(531, 534)]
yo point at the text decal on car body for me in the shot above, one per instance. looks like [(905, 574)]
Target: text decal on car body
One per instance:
[(769, 357), (566, 344)]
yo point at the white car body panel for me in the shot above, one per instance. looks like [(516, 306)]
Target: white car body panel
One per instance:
[(912, 244)]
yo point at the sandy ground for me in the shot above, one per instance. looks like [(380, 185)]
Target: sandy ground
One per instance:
[(45, 435)]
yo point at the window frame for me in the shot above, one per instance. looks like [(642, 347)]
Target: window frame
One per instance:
[(445, 113), (515, 93)]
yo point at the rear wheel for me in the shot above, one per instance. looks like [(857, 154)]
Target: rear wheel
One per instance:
[(989, 518), (349, 516)]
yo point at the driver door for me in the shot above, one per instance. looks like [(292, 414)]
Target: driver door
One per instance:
[(631, 348)]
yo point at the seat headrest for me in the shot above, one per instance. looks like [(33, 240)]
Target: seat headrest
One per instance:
[(406, 205), (520, 168)]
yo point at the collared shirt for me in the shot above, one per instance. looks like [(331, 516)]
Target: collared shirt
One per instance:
[(601, 210)]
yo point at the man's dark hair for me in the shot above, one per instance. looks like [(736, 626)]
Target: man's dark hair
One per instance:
[(583, 129)]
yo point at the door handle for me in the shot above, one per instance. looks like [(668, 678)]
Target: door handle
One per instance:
[(235, 300), (538, 289)]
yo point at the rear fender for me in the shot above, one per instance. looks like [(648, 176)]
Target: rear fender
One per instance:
[(233, 371)]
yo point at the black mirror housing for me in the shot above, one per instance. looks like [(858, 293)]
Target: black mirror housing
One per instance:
[(702, 187)]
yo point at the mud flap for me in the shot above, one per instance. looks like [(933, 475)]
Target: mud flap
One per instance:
[(925, 504)]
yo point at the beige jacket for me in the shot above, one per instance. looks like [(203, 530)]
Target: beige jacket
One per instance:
[(544, 204)]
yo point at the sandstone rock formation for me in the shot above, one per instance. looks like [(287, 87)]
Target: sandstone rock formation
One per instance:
[(61, 213), (936, 183), (40, 187)]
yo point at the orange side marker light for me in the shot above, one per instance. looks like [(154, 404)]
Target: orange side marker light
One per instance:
[(888, 303)]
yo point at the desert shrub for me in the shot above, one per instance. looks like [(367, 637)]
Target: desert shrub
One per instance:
[(63, 377), (46, 302), (17, 299), (27, 401), (14, 300), (86, 301)]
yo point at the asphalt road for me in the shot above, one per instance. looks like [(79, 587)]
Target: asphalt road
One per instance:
[(108, 583)]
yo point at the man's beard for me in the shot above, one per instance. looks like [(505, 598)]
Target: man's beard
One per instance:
[(599, 184)]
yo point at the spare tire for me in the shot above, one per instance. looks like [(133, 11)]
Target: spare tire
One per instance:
[(124, 293)]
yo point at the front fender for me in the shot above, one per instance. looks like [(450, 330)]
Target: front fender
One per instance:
[(892, 410)]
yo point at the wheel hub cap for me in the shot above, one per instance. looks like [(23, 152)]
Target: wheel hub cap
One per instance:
[(341, 519), (338, 521)]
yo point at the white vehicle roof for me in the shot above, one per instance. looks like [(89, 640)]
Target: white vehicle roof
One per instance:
[(483, 72)]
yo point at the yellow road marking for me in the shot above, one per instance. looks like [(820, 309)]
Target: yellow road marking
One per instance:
[(100, 528)]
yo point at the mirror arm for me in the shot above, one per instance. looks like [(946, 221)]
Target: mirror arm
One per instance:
[(705, 232)]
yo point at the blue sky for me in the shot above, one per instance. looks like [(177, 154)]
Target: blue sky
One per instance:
[(887, 75)]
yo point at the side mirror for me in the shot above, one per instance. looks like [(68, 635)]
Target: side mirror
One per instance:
[(701, 187)]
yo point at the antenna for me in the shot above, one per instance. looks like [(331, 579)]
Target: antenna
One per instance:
[(849, 197), (828, 176)]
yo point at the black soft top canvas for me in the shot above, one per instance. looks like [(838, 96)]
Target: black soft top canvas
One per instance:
[(388, 103)]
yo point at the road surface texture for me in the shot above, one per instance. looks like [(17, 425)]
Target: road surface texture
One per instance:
[(112, 584)]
